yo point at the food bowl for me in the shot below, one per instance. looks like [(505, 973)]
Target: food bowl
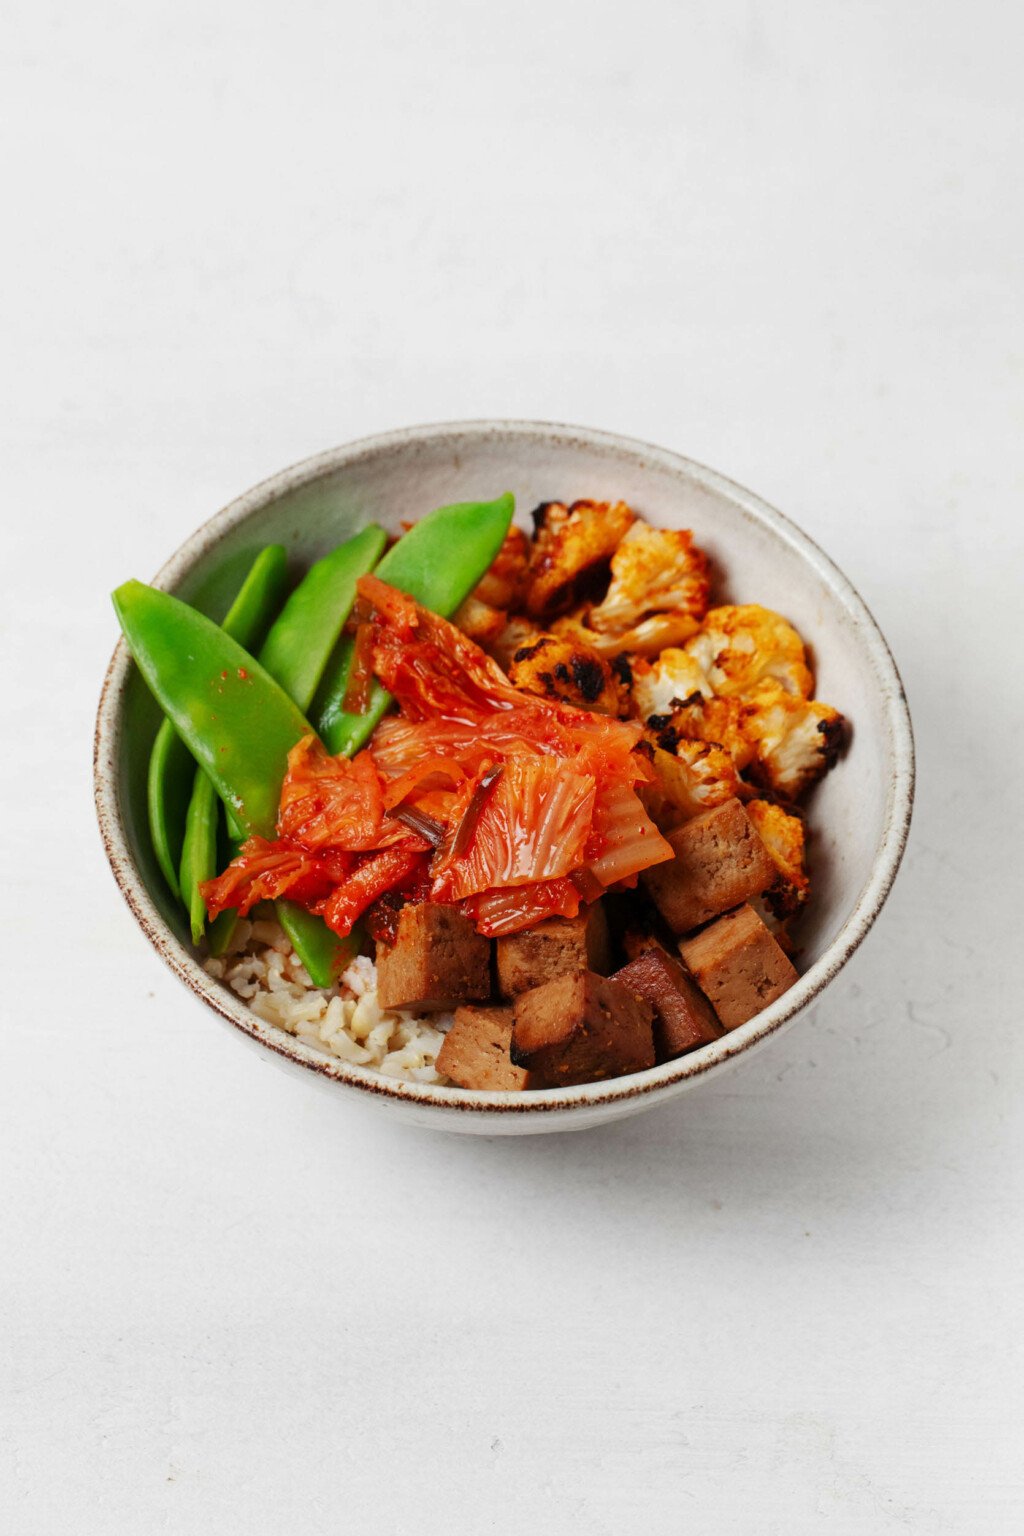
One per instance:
[(859, 815)]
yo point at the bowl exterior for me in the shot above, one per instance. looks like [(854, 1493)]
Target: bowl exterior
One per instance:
[(860, 814)]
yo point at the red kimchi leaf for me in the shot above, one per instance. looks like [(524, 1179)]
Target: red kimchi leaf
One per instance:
[(534, 827), (521, 906), (330, 802), (624, 839), (263, 871), (398, 789), (360, 675), (431, 667), (387, 871)]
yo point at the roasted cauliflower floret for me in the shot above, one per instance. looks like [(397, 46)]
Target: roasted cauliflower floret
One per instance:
[(660, 686), (795, 740), (654, 570), (502, 584), (783, 836), (480, 621), (558, 668), (648, 638), (721, 721), (739, 647), (694, 778), (515, 633), (570, 545)]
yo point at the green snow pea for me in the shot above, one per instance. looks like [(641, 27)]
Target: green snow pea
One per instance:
[(199, 850), (171, 776), (246, 619), (237, 722), (241, 731), (438, 562), (295, 653), (307, 629)]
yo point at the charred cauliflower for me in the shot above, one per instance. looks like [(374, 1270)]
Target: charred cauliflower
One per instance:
[(739, 647), (515, 633), (722, 721), (693, 778), (503, 583), (661, 686), (783, 836), (480, 621), (571, 544), (795, 740), (725, 692), (654, 570), (648, 638), (559, 668)]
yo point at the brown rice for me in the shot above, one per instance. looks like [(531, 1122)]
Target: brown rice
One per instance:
[(263, 969)]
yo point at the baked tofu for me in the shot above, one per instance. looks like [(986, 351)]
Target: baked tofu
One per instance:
[(553, 948), (719, 862), (438, 960), (476, 1050), (683, 1017), (581, 1028), (739, 966)]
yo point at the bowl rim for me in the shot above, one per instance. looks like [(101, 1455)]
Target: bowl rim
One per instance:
[(678, 1074)]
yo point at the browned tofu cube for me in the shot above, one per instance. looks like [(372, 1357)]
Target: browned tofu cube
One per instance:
[(719, 862), (476, 1049), (738, 965), (553, 948), (581, 1028), (683, 1017), (438, 960)]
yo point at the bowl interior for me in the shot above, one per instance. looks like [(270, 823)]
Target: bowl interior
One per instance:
[(758, 557)]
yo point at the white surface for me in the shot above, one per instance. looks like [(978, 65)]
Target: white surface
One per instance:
[(785, 240)]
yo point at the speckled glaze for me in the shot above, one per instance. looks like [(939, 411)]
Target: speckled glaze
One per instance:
[(860, 816)]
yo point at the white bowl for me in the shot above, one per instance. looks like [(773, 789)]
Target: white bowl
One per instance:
[(859, 815)]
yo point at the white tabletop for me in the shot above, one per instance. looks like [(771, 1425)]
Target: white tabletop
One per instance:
[(783, 240)]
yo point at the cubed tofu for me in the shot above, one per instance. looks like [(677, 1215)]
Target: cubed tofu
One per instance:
[(683, 1017), (581, 1028), (719, 862), (553, 948), (738, 965), (438, 960), (476, 1050)]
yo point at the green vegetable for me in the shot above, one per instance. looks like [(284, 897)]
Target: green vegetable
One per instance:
[(438, 562), (171, 766), (305, 633), (199, 850), (237, 722), (321, 951), (246, 620), (295, 653), (233, 713), (168, 789), (240, 718)]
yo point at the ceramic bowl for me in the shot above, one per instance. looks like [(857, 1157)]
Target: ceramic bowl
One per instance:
[(859, 815)]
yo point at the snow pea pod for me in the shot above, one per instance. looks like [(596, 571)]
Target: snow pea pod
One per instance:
[(237, 722), (295, 654), (438, 562), (307, 629), (246, 619), (171, 777), (199, 850)]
